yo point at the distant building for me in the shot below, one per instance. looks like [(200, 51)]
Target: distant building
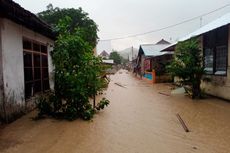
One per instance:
[(112, 69), (103, 46), (104, 55), (162, 42), (25, 61), (108, 62), (150, 57)]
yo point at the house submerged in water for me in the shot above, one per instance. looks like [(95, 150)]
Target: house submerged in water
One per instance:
[(152, 61), (25, 62), (215, 44)]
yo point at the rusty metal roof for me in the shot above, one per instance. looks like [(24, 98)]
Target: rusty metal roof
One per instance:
[(14, 12)]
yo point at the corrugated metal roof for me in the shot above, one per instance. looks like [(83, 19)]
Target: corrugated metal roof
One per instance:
[(154, 49), (14, 12), (222, 21)]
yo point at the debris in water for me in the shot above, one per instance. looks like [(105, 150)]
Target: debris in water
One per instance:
[(179, 91), (163, 94), (182, 123), (194, 148), (119, 85)]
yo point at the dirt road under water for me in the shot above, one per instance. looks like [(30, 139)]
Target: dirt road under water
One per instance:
[(138, 120)]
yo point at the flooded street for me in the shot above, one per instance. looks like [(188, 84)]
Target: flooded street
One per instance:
[(141, 118)]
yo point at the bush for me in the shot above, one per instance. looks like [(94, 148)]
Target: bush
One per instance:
[(187, 65), (78, 76), (102, 104), (43, 106), (47, 106)]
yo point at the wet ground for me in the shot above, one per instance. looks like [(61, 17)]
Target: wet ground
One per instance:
[(140, 119)]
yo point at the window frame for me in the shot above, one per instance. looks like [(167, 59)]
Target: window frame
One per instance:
[(33, 81), (214, 48)]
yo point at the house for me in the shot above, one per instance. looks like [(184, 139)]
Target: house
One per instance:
[(215, 43), (110, 66), (150, 57), (108, 62), (104, 55), (25, 62)]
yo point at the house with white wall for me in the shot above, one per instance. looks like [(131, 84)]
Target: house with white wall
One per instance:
[(215, 44), (25, 62)]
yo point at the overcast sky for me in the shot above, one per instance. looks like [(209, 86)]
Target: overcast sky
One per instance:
[(118, 18)]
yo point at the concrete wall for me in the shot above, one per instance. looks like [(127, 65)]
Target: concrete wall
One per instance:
[(13, 69), (1, 79), (219, 85)]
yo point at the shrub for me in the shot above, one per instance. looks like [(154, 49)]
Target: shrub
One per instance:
[(187, 65), (43, 106), (78, 76), (102, 104)]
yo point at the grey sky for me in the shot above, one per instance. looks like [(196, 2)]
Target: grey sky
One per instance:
[(117, 18)]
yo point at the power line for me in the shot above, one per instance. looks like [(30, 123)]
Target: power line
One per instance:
[(167, 27)]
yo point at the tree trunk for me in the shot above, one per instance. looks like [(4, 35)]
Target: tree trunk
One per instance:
[(196, 90)]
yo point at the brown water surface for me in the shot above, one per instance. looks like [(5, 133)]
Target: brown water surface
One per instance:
[(138, 120)]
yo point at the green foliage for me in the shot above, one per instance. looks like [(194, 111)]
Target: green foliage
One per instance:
[(88, 112), (102, 104), (160, 67), (79, 19), (78, 75), (124, 61), (187, 65), (116, 57), (43, 106)]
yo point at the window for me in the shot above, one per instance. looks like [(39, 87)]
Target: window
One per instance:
[(221, 59), (35, 67), (216, 51), (208, 60)]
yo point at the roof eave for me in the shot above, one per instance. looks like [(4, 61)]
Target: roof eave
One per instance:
[(17, 14)]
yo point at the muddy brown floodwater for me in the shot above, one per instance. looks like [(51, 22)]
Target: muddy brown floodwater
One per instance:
[(138, 120)]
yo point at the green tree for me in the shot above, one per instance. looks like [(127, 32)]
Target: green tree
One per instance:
[(78, 76), (79, 19), (116, 57), (124, 61), (187, 65)]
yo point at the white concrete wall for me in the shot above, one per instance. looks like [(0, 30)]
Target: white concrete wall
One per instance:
[(219, 85), (1, 78), (12, 55)]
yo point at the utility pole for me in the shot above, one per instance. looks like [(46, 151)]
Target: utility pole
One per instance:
[(201, 19), (132, 54)]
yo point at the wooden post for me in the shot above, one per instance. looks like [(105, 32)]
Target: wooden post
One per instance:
[(153, 76), (182, 123)]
